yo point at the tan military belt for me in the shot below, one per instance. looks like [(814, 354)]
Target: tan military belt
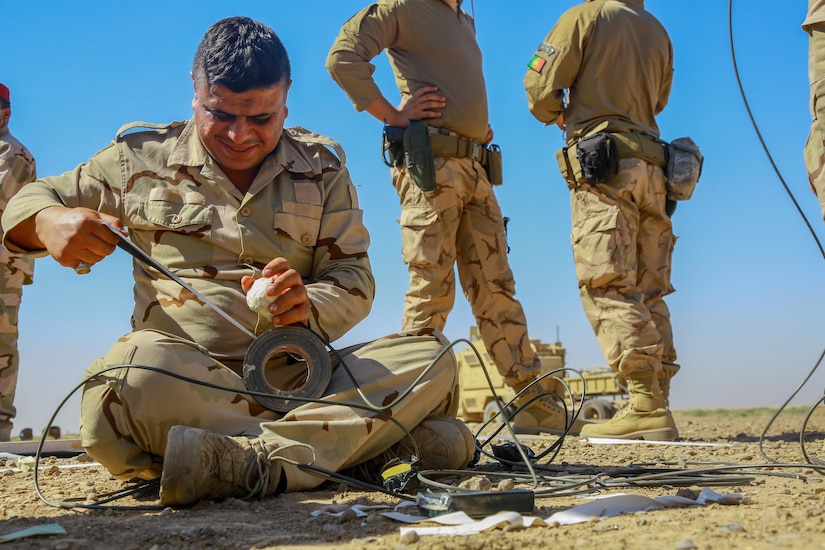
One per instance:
[(458, 147), (634, 144), (628, 145)]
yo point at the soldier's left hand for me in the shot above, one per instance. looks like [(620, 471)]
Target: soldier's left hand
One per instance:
[(292, 303)]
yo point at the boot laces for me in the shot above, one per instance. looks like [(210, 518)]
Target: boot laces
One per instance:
[(258, 469)]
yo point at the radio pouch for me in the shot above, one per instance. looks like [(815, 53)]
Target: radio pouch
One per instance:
[(495, 169), (683, 169), (599, 157), (392, 143), (418, 155)]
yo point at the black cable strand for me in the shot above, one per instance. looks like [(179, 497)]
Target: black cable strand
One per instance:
[(759, 134), (67, 503), (801, 214)]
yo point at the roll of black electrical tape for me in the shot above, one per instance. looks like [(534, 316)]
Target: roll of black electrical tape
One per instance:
[(299, 343)]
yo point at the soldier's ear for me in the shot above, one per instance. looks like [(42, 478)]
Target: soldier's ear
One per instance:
[(195, 89)]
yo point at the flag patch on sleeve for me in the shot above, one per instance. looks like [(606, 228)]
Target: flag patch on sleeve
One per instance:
[(537, 63)]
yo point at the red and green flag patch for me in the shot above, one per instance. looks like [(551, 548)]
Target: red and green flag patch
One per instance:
[(537, 63)]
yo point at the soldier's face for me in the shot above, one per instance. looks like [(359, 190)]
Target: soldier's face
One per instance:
[(240, 129)]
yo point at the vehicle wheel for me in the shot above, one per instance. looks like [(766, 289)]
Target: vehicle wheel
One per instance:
[(491, 409), (597, 409)]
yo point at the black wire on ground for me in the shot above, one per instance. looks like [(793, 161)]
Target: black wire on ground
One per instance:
[(142, 486), (545, 484), (810, 229)]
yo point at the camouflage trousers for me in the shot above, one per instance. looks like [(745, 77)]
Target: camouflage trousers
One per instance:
[(460, 223), (11, 293), (126, 413), (815, 146), (622, 246)]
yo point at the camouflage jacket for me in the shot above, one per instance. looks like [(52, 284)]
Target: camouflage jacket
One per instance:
[(17, 168), (183, 211)]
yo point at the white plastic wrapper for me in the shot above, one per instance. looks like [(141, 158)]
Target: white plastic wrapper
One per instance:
[(258, 300)]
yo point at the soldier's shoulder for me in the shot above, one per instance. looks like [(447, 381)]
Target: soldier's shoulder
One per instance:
[(145, 130), (11, 146), (313, 144)]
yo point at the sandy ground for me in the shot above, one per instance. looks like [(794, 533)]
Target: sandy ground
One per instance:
[(776, 499)]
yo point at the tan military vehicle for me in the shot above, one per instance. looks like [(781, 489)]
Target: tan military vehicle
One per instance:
[(604, 393)]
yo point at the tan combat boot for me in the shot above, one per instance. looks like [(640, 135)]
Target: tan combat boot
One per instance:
[(200, 464), (668, 371), (544, 415), (645, 417), (444, 442)]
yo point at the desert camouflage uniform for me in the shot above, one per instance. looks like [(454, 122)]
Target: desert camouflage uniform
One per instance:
[(17, 168), (182, 210), (460, 222), (814, 25), (622, 238)]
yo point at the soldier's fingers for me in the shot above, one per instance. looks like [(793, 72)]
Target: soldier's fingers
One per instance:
[(275, 267), (292, 316)]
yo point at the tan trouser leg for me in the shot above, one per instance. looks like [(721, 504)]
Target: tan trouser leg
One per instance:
[(126, 414)]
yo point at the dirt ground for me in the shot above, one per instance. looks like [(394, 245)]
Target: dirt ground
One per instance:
[(782, 503)]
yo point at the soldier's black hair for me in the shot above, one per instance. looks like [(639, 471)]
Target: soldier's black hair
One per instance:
[(241, 54)]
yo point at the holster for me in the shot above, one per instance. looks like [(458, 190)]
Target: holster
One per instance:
[(418, 155)]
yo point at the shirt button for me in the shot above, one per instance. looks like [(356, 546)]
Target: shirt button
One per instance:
[(306, 239), (248, 260), (245, 211), (176, 218)]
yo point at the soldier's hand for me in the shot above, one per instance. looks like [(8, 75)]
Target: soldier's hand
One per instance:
[(423, 104), (74, 235), (489, 137), (291, 305)]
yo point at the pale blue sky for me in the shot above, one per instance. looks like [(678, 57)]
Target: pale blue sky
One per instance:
[(748, 306)]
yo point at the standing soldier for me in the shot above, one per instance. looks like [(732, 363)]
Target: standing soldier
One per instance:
[(814, 25), (449, 213), (615, 61), (17, 168)]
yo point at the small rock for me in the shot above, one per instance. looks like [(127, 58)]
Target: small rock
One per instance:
[(506, 484), (686, 544), (408, 537), (477, 483), (333, 530), (347, 515)]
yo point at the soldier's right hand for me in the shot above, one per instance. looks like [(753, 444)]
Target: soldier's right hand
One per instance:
[(74, 235)]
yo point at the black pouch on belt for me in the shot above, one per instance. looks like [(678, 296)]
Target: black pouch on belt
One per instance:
[(599, 157), (418, 155), (392, 143), (495, 170)]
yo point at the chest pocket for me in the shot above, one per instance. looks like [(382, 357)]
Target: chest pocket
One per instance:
[(173, 210), (301, 218)]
